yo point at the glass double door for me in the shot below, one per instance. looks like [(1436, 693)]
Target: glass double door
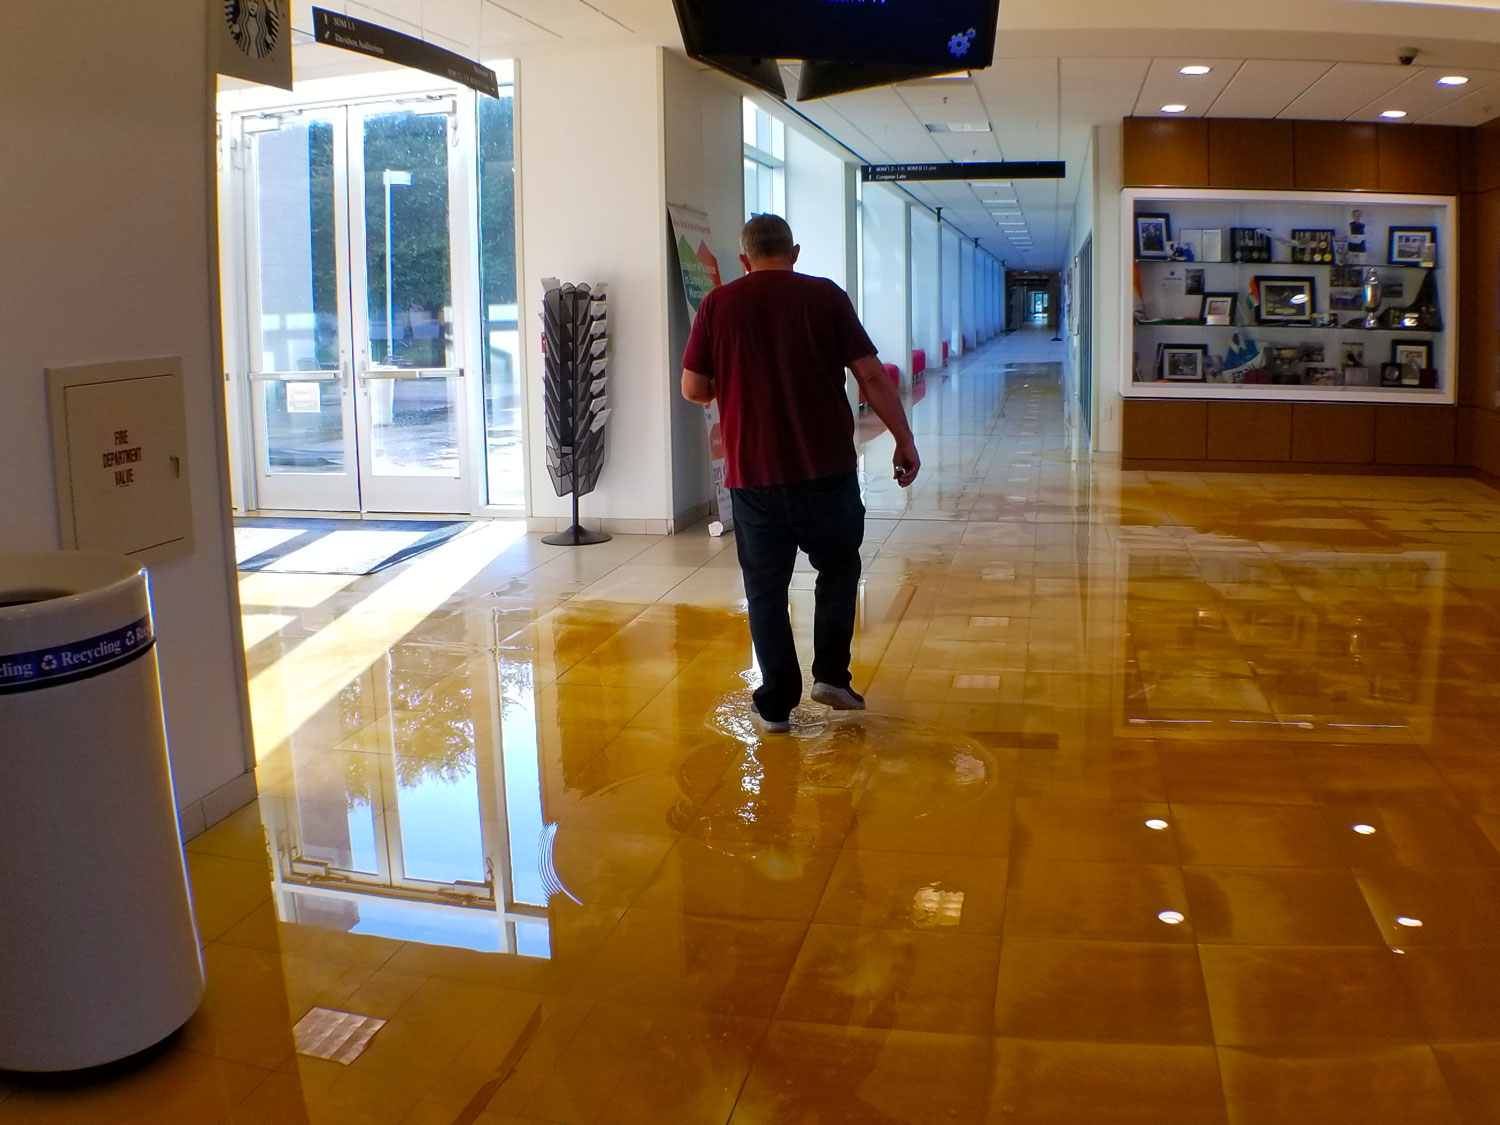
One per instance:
[(355, 378)]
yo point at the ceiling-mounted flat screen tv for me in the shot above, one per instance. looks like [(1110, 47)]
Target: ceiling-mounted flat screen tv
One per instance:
[(928, 36), (958, 33)]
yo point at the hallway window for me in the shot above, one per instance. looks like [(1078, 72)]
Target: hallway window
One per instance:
[(504, 459), (765, 163)]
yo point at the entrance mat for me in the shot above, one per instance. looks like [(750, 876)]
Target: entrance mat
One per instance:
[(323, 546)]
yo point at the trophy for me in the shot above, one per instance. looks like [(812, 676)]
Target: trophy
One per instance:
[(1373, 292)]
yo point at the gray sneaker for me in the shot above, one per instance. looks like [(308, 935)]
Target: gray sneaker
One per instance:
[(839, 698), (769, 726)]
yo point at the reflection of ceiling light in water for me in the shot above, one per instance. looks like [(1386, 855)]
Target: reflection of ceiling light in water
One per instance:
[(1172, 917), (1365, 829), (1409, 923), (1158, 825)]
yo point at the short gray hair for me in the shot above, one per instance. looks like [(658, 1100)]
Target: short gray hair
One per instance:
[(766, 236)]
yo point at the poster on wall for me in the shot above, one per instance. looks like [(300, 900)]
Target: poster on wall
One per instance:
[(253, 40), (700, 276)]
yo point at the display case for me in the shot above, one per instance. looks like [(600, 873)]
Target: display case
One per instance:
[(1289, 296)]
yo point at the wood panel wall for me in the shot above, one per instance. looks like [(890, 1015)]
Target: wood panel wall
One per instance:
[(1479, 303), (1230, 154)]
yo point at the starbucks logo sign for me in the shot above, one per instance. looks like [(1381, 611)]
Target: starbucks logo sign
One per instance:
[(255, 25)]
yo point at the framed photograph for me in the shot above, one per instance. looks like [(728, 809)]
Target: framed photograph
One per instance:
[(1413, 246), (1153, 234), (1218, 308), (1285, 300), (1404, 351), (1390, 374), (1183, 363), (1211, 246)]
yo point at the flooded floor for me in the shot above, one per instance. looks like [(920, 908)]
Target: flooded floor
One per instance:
[(1178, 799)]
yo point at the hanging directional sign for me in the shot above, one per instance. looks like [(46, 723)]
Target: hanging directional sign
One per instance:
[(404, 50), (979, 170)]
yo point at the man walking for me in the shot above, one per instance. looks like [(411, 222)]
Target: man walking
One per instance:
[(772, 348)]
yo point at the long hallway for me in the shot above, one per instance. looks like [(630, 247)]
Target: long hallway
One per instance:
[(1177, 799)]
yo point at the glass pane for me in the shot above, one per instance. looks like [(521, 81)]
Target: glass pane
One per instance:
[(763, 132), (299, 326), (750, 111), (304, 427), (415, 427), (503, 405), (406, 208), (437, 779)]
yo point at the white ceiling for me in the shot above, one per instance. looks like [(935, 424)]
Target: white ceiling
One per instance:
[(1062, 67)]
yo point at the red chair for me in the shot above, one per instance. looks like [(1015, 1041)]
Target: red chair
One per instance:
[(945, 353), (918, 363)]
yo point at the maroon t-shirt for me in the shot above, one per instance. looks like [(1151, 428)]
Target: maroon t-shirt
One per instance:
[(776, 343)]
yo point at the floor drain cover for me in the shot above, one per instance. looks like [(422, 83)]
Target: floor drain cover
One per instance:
[(341, 1036)]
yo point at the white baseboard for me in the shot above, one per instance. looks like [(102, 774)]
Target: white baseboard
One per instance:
[(201, 815)]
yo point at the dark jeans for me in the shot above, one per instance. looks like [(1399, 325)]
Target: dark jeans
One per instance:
[(825, 518)]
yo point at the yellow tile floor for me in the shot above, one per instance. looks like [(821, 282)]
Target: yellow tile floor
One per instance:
[(1178, 800)]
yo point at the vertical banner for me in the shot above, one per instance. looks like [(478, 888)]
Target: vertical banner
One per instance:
[(253, 40), (700, 276)]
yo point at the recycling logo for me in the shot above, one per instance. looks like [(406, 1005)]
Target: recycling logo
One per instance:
[(49, 663), (255, 25), (959, 45)]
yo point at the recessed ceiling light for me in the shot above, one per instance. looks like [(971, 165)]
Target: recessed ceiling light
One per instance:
[(958, 127), (1394, 114), (1174, 109), (1195, 70), (1453, 80)]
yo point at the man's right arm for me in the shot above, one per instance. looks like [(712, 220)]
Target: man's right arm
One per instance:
[(882, 397)]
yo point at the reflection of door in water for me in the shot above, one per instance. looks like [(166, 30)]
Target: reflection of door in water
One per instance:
[(355, 374)]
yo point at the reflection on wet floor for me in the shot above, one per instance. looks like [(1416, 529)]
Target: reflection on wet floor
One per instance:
[(1177, 800)]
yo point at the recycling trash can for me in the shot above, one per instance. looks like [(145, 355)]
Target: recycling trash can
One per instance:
[(99, 955)]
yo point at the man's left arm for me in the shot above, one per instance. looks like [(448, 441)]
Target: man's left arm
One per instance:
[(696, 387)]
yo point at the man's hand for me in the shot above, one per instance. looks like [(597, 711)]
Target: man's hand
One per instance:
[(907, 463), (882, 397)]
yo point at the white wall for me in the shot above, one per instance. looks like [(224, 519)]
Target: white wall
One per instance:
[(592, 203), (926, 286), (817, 206), (952, 292), (1079, 232), (1109, 302), (107, 244), (704, 162), (886, 281), (966, 292)]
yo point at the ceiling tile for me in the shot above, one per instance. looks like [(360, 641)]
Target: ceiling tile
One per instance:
[(1421, 96), (1470, 109), (1263, 87), (1347, 87), (1095, 90), (1165, 86)]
